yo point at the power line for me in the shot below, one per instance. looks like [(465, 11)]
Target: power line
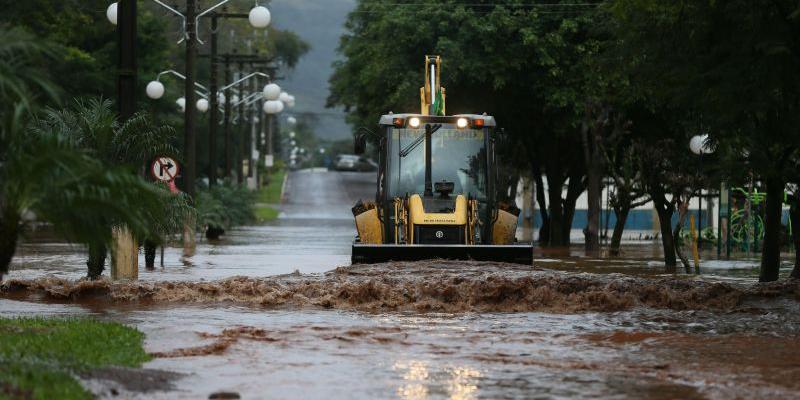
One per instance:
[(533, 5), (424, 8)]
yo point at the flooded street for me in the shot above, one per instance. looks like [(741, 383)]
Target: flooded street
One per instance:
[(266, 313), (313, 234)]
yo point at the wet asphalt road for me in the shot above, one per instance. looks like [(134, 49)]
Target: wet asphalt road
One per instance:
[(312, 234)]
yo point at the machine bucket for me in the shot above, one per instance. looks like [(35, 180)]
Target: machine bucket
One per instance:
[(377, 253)]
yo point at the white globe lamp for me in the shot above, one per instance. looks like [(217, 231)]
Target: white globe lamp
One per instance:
[(111, 13), (181, 102), (272, 92), (155, 90), (291, 120), (202, 105), (259, 17), (284, 97), (699, 145)]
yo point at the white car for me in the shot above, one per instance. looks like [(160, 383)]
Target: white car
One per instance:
[(349, 162)]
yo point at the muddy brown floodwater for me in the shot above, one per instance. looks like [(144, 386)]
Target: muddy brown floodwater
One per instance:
[(236, 320)]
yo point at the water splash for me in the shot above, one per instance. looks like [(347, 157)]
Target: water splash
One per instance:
[(433, 286)]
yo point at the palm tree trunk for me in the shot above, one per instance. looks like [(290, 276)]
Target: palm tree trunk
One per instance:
[(97, 260), (9, 232)]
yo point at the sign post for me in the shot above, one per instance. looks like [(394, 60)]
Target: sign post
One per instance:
[(166, 169)]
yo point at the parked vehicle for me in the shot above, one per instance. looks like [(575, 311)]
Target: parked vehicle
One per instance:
[(350, 162)]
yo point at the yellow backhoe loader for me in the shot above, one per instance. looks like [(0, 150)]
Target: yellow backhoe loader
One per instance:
[(436, 194)]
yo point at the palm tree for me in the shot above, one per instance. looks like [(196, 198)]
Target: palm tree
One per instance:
[(92, 125), (48, 175), (70, 188)]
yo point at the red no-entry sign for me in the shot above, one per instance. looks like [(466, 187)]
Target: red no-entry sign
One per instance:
[(164, 169)]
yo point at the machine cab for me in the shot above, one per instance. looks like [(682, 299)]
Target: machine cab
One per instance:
[(460, 174)]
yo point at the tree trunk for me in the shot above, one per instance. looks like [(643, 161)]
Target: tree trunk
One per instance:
[(683, 209), (544, 230), (97, 260), (149, 254), (664, 211), (556, 229), (771, 250), (621, 214), (594, 177), (9, 232), (594, 192), (574, 190), (794, 215)]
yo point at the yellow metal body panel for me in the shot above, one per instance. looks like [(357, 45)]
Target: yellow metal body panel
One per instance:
[(369, 227), (418, 216), (505, 228)]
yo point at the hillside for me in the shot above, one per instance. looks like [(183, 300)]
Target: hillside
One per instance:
[(320, 23)]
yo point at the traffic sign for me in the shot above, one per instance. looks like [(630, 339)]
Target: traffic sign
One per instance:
[(164, 169)]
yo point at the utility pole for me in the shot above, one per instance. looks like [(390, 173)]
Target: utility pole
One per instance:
[(242, 129), (189, 124), (124, 251), (126, 81), (190, 116), (213, 105), (227, 119), (251, 137)]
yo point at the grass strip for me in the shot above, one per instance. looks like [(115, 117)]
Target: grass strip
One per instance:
[(39, 356), (271, 193)]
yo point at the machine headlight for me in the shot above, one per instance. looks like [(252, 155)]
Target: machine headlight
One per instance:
[(414, 122), (462, 123)]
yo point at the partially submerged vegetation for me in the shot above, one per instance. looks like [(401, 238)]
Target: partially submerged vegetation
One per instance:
[(223, 206), (41, 357)]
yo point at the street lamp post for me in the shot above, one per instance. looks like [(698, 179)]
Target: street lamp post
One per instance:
[(189, 118), (699, 146), (227, 118), (240, 146), (272, 105), (125, 254), (124, 13), (213, 118), (259, 17)]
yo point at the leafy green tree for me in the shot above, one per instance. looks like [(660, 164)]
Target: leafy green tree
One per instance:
[(734, 63), (521, 62)]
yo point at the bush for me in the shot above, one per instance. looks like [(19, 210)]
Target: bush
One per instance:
[(224, 206)]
